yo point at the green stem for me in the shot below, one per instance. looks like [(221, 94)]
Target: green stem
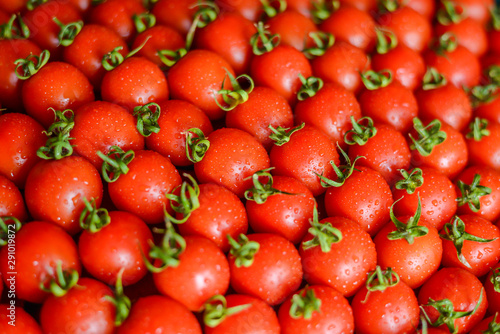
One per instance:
[(281, 135), (428, 137), (309, 88), (433, 79), (386, 40), (471, 194), (449, 13), (322, 41), (7, 229), (143, 21), (478, 129), (29, 66), (263, 41), (411, 181), (272, 10), (114, 58), (115, 163), (147, 118), (409, 230), (93, 219), (304, 304), (360, 134), (260, 192), (343, 171), (68, 32), (324, 234), (196, 145), (484, 94), (376, 80), (62, 282), (216, 310), (10, 31), (120, 300), (187, 200), (238, 94), (243, 251), (323, 9)]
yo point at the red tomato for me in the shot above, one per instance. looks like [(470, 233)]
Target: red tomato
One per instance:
[(425, 7), (55, 190), (24, 322), (40, 247), (492, 289), (175, 14), (483, 143), (293, 29), (469, 33), (490, 109), (487, 324), (12, 200)]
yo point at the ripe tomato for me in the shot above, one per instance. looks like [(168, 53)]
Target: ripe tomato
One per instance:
[(492, 289), (293, 28), (175, 14), (24, 322), (487, 324), (12, 200), (483, 143)]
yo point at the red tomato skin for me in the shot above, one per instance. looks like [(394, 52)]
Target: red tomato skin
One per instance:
[(450, 157), (117, 245), (482, 327), (55, 190), (89, 47), (21, 136), (89, 313), (264, 107), (309, 151), (176, 117), (407, 65), (58, 85), (12, 7), (493, 39), (275, 273), (12, 203), (100, 125), (469, 33), (136, 81), (480, 256), (202, 273), (486, 152), (437, 196), (330, 111), (399, 314), (10, 84), (365, 198), (24, 322), (492, 295), (39, 246), (335, 315), (257, 318), (142, 190), (156, 38), (489, 204), (489, 110), (415, 262), (175, 14), (221, 213), (197, 77), (293, 29), (345, 267), (285, 215), (387, 152), (393, 105), (342, 64), (232, 158), (425, 7), (148, 316), (477, 10), (459, 286), (279, 69)]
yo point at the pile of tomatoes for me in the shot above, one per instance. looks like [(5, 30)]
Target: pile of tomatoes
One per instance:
[(249, 166)]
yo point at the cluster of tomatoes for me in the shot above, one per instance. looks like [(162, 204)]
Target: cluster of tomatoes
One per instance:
[(249, 166)]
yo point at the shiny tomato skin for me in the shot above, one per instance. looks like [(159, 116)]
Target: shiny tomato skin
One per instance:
[(148, 316), (477, 10), (293, 29), (117, 245), (136, 81), (469, 33), (176, 117), (197, 77), (99, 125), (55, 190), (12, 203), (334, 315), (257, 318), (90, 311), (275, 272), (414, 263), (142, 190), (369, 6), (486, 151), (56, 85), (202, 273), (24, 323), (156, 38), (221, 213), (283, 214), (279, 69), (491, 293), (176, 14), (489, 110), (39, 247), (365, 198), (232, 158), (21, 136), (425, 7), (484, 325), (346, 265)]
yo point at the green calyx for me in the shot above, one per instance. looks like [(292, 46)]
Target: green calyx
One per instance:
[(304, 304), (322, 41), (478, 129), (324, 234), (386, 40), (120, 300), (271, 8), (143, 21), (343, 171), (187, 200), (9, 225), (242, 86), (10, 31), (93, 219), (428, 137), (379, 280), (493, 326), (68, 32), (170, 57), (216, 310), (484, 94), (433, 79), (281, 135), (147, 118), (32, 4), (243, 251), (115, 163), (471, 194), (206, 13), (260, 192), (411, 181), (493, 73), (455, 232), (168, 253), (495, 279), (449, 13), (196, 145), (263, 41), (375, 80), (323, 9), (409, 230), (360, 133), (29, 66), (114, 58), (447, 313), (309, 88), (57, 145), (388, 6), (495, 17), (447, 43), (62, 282)]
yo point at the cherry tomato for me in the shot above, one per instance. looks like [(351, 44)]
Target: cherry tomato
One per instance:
[(24, 322), (12, 200)]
